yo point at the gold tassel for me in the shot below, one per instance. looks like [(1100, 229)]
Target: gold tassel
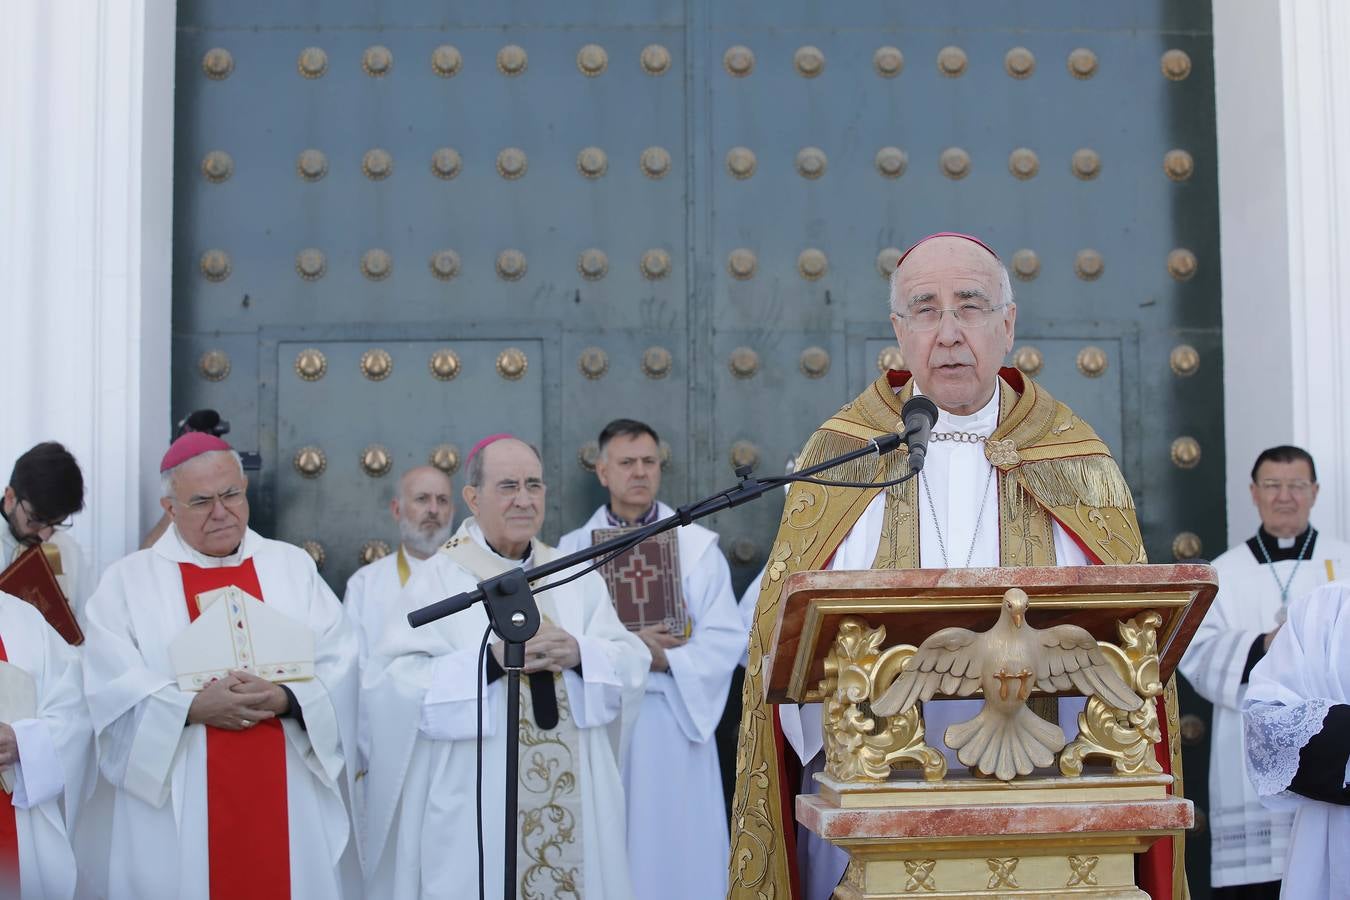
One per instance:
[(1091, 480)]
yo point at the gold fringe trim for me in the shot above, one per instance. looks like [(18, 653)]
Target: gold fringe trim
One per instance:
[(1091, 480), (825, 444)]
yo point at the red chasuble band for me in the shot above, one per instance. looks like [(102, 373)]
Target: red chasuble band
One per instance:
[(247, 819), (9, 834)]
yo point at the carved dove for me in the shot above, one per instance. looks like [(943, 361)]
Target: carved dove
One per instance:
[(1007, 739)]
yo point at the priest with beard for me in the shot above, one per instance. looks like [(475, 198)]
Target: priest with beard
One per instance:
[(1012, 478), (584, 675), (239, 789), (423, 509)]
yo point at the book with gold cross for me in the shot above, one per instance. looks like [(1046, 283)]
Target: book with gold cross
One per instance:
[(644, 581)]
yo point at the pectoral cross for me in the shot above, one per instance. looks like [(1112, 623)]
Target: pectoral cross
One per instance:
[(1023, 679)]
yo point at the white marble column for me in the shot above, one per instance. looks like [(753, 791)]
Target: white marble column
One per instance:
[(1314, 36), (1281, 79), (86, 176)]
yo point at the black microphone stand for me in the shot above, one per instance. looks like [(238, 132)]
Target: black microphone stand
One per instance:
[(514, 615)]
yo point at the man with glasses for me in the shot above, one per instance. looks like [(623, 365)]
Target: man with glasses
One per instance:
[(1286, 559), (45, 490), (238, 789), (1012, 478), (584, 682)]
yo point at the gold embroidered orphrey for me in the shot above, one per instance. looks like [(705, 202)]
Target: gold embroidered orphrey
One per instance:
[(1051, 466), (549, 827)]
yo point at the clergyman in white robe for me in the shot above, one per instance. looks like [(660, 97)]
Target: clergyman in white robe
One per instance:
[(421, 688), (157, 761), (1248, 842), (1297, 712), (966, 505), (54, 744), (678, 845)]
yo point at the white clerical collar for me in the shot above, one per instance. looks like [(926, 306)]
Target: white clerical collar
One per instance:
[(185, 553), (476, 533), (983, 421)]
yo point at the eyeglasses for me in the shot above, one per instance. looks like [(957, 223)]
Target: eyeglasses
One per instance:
[(230, 499), (968, 315), (38, 524), (533, 486), (1297, 488)]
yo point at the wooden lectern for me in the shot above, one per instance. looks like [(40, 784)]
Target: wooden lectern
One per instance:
[(911, 827)]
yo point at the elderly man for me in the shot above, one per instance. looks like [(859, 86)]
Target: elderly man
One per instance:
[(422, 509), (422, 687), (1012, 477), (1287, 559), (677, 846), (45, 489), (237, 789), (1297, 714), (45, 751)]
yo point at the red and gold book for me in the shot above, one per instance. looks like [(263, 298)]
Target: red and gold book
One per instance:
[(644, 581), (30, 578)]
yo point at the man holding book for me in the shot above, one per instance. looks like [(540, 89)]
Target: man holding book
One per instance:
[(686, 614)]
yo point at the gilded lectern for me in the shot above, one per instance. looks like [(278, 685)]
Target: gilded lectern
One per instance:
[(1030, 811)]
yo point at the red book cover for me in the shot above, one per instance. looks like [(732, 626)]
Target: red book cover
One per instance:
[(644, 581), (30, 578)]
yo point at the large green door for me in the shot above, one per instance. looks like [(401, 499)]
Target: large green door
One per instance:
[(401, 226)]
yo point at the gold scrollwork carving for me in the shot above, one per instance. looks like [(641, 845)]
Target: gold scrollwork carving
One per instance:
[(1124, 738), (860, 745)]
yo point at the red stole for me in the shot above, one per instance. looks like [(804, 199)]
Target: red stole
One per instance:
[(9, 834), (247, 819)]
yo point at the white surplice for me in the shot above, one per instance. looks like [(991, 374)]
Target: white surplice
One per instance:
[(965, 500), (421, 688), (55, 747), (157, 762), (678, 844), (1289, 693), (1248, 843), (371, 590)]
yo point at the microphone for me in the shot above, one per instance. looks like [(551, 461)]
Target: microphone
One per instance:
[(919, 416)]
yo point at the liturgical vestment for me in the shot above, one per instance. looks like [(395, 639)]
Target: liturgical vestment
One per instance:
[(1051, 495), (50, 778), (1248, 842), (421, 690), (1297, 712), (172, 827), (677, 845)]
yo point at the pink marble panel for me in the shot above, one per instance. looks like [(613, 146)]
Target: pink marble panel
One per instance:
[(832, 823)]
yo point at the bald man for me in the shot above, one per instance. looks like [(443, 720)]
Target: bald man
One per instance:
[(423, 508), (583, 686)]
